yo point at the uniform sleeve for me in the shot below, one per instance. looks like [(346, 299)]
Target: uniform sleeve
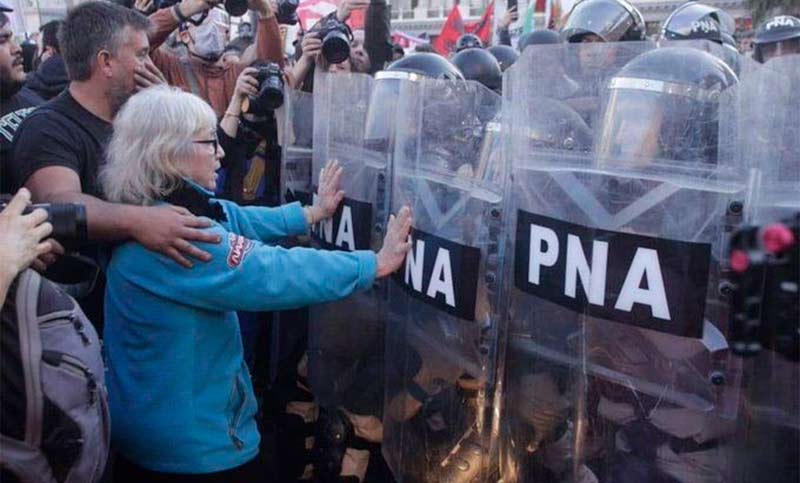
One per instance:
[(263, 223), (39, 144), (249, 275)]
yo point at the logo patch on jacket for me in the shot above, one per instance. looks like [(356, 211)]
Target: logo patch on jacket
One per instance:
[(239, 248)]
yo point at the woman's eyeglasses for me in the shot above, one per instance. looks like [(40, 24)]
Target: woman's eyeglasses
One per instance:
[(214, 141)]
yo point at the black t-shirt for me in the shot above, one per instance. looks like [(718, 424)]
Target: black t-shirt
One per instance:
[(12, 112), (61, 133)]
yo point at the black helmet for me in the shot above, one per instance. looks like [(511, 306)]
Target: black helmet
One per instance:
[(468, 41), (481, 66), (427, 65), (383, 103), (774, 35), (611, 20), (664, 104), (538, 37), (505, 55), (695, 20)]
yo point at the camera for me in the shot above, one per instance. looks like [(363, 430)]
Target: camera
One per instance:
[(236, 8), (336, 37), (287, 12), (270, 91), (68, 219), (765, 269)]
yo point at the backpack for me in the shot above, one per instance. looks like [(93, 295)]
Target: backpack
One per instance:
[(55, 421)]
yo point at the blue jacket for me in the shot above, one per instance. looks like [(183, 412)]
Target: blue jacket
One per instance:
[(180, 393)]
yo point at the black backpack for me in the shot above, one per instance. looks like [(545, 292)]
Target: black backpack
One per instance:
[(55, 421)]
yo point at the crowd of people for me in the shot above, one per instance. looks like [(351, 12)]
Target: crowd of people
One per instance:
[(163, 138)]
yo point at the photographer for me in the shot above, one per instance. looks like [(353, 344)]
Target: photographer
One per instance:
[(250, 141), (165, 151), (367, 55), (201, 71), (21, 239)]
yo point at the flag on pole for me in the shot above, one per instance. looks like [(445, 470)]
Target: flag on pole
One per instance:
[(452, 29)]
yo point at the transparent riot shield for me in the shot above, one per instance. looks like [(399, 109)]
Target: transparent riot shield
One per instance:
[(296, 121), (765, 300), (616, 362), (346, 337), (572, 73), (441, 331)]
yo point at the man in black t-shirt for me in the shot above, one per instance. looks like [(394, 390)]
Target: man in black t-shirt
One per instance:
[(16, 102), (59, 148)]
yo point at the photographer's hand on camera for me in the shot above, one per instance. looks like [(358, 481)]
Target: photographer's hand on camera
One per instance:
[(396, 243), (329, 196), (189, 8), (346, 8), (264, 8), (21, 238)]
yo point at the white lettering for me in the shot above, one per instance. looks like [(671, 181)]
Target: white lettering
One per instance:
[(645, 264), (539, 258), (442, 278), (345, 233), (593, 278), (414, 261)]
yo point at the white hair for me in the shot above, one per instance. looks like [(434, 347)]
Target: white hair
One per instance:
[(152, 132)]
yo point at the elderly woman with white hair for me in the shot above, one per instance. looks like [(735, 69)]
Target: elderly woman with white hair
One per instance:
[(180, 394)]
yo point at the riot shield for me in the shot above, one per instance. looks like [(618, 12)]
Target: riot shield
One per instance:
[(572, 73), (441, 331), (346, 337), (765, 301), (296, 121), (616, 362)]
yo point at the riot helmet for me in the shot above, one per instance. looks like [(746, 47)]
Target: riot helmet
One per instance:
[(505, 55), (777, 36), (694, 20), (480, 66), (664, 105), (538, 37), (383, 103), (609, 20), (468, 41)]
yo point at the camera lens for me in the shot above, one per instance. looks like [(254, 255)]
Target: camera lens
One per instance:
[(286, 12), (69, 221), (273, 93), (236, 8), (336, 47)]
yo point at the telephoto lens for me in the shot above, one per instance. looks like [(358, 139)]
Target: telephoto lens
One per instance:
[(336, 37), (236, 8), (287, 12)]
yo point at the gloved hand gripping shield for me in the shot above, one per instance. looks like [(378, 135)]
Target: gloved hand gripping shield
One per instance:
[(442, 327), (617, 366)]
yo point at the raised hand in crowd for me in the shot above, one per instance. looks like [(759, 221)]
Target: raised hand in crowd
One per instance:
[(509, 17), (396, 244), (329, 196), (144, 7), (347, 7), (246, 85), (21, 238)]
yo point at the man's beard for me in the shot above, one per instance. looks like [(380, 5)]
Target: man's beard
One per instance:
[(9, 86), (118, 95)]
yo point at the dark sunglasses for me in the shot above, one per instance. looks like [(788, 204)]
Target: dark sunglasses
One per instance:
[(214, 141)]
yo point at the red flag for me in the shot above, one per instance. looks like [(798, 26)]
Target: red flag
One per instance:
[(453, 29), (483, 27)]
